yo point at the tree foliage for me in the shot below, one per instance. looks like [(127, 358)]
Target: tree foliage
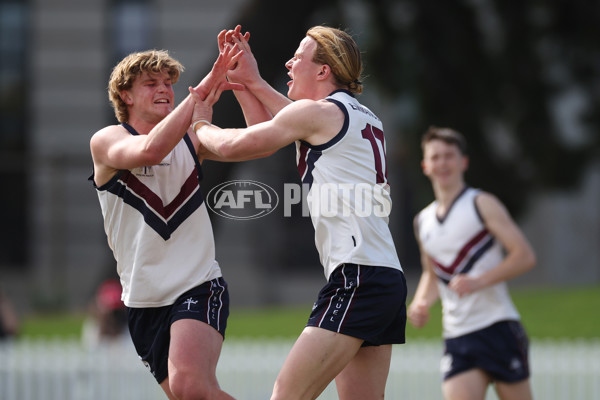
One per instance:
[(520, 79)]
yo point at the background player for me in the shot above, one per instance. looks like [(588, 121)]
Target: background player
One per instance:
[(462, 237)]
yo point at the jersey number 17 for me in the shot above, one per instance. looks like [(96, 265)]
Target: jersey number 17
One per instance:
[(375, 137)]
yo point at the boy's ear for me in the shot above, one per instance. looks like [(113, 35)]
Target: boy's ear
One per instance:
[(465, 165), (126, 97), (324, 72)]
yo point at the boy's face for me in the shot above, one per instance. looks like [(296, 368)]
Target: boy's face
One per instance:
[(302, 70), (151, 96), (443, 163)]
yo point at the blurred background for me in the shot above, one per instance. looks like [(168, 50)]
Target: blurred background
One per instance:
[(521, 80)]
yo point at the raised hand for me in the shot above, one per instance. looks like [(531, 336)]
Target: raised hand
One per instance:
[(227, 59), (226, 36), (245, 70)]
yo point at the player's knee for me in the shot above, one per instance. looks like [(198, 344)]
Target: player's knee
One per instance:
[(278, 392), (188, 387), (281, 392)]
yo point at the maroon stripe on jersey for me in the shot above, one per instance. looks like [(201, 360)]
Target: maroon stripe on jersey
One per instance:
[(141, 190), (190, 186), (154, 201), (302, 160), (462, 254)]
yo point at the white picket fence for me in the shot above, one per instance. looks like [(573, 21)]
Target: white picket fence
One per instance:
[(65, 370)]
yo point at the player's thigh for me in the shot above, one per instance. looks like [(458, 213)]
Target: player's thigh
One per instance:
[(468, 385), (365, 376), (315, 359), (195, 348), (514, 391)]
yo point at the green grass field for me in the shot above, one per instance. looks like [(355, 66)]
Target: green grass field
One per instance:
[(547, 313)]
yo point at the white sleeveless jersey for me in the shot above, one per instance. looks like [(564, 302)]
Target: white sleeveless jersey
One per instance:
[(348, 197), (158, 228), (459, 243)]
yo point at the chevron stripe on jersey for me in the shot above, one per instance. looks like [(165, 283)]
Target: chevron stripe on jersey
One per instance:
[(466, 258), (460, 243), (155, 220), (164, 219)]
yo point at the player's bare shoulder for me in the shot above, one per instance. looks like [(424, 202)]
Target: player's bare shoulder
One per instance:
[(314, 121), (301, 113), (100, 145), (486, 200), (491, 209), (105, 136), (327, 119), (312, 107)]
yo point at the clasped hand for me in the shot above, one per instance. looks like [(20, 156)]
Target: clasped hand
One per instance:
[(234, 66)]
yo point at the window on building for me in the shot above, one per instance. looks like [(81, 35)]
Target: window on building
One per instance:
[(133, 26)]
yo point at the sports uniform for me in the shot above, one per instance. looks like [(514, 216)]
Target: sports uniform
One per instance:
[(459, 243), (349, 203), (159, 231)]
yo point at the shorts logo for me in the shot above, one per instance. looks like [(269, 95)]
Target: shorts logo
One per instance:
[(189, 302), (242, 200), (340, 303)]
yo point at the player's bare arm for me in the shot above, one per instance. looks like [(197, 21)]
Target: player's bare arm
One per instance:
[(426, 293), (114, 148), (425, 296), (313, 121), (235, 144)]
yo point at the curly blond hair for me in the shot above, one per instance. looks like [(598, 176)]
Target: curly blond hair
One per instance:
[(131, 67)]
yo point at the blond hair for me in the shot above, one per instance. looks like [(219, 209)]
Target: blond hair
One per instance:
[(337, 49), (131, 67)]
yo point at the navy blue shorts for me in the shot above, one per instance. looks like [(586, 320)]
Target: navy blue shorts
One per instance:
[(501, 350), (150, 328), (364, 302)]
